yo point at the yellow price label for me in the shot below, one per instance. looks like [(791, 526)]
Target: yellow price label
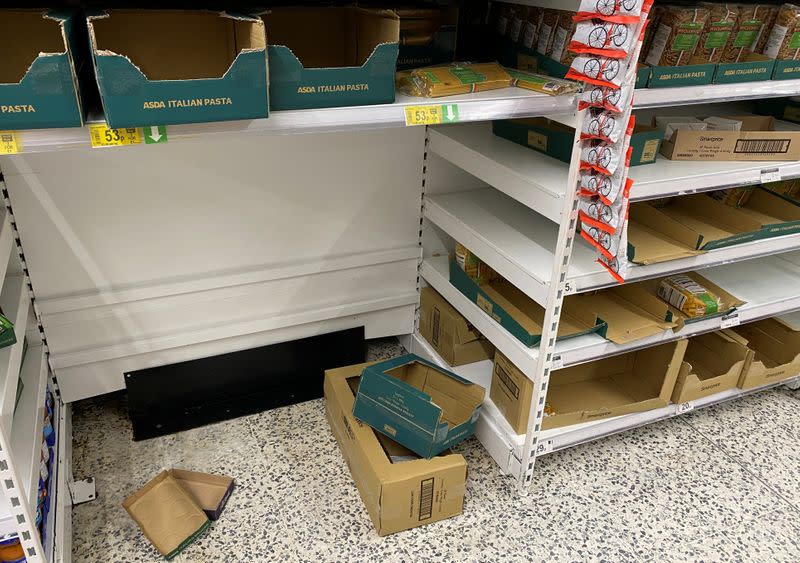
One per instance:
[(10, 142), (103, 136), (423, 115)]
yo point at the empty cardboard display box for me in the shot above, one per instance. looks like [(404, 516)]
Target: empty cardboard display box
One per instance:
[(633, 382), (211, 492), (758, 140), (427, 36), (651, 243), (516, 312), (707, 223), (398, 494), (331, 56), (161, 67), (775, 352), (713, 363), (511, 392), (167, 514), (38, 71), (456, 341), (423, 407)]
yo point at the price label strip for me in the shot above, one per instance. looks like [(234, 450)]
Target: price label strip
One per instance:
[(102, 135), (683, 408), (431, 115), (771, 175), (729, 321), (10, 142)]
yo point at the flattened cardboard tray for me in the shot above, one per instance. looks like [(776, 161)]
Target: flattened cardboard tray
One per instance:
[(757, 141), (713, 363)]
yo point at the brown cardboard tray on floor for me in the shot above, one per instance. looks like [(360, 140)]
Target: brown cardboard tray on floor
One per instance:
[(398, 495), (210, 491), (511, 392), (756, 141), (634, 382), (775, 352), (456, 341), (713, 362)]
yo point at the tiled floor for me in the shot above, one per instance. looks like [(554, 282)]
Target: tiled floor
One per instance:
[(719, 484)]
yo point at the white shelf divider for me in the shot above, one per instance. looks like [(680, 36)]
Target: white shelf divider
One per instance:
[(15, 302), (28, 422)]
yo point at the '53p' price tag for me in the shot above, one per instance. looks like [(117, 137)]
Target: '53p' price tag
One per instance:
[(102, 135)]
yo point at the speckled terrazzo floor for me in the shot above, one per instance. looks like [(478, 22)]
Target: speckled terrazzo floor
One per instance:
[(720, 484)]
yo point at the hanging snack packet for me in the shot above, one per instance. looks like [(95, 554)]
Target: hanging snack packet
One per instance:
[(607, 188), (457, 78), (604, 157), (595, 213), (617, 265), (601, 71), (610, 99), (620, 11), (604, 125), (688, 296), (542, 83), (609, 39)]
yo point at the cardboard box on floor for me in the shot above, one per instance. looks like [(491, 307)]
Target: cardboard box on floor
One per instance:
[(397, 495), (705, 223), (38, 71), (713, 362), (775, 352), (423, 407), (633, 382), (511, 392), (161, 67), (456, 341), (211, 492), (331, 56), (756, 141), (167, 514)]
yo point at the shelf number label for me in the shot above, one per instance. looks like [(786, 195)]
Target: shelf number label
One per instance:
[(729, 321), (431, 115), (771, 175), (544, 447), (103, 136), (10, 143), (683, 408)]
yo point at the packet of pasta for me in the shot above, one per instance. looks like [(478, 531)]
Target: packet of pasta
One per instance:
[(688, 296), (456, 78), (474, 267), (542, 83)]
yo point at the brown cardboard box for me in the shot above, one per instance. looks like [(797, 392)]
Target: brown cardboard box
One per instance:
[(713, 363), (633, 382), (167, 514), (775, 353), (650, 242), (456, 341), (211, 492), (757, 141), (511, 392), (399, 495)]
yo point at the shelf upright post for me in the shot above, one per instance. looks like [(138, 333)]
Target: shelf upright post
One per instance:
[(558, 288)]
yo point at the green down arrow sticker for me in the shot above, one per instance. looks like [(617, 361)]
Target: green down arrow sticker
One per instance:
[(450, 113), (155, 135)]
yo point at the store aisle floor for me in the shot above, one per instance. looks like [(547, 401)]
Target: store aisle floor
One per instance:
[(719, 484)]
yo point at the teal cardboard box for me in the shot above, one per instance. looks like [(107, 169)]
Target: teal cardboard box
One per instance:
[(331, 56), (38, 77), (786, 70), (688, 75), (427, 36), (163, 67), (757, 68), (423, 407)]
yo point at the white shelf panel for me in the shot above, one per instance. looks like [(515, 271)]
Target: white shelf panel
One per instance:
[(539, 181), (15, 302), (770, 286), (505, 445), (520, 244), (28, 422), (714, 93), (480, 106)]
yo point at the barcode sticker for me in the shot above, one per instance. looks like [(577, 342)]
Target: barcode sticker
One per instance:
[(729, 320), (762, 146), (544, 447), (426, 499), (683, 408), (770, 176)]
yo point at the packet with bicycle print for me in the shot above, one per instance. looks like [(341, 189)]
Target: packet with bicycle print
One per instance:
[(604, 125), (609, 39), (620, 11)]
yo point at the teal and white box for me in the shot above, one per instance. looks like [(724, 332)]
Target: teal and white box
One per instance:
[(423, 407)]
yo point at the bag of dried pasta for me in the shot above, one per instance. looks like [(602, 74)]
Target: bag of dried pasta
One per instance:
[(688, 296), (718, 33), (542, 83), (784, 40), (456, 78), (547, 31), (749, 25), (675, 40), (530, 30)]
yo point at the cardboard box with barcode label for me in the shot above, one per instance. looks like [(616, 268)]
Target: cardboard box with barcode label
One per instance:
[(399, 489), (39, 70), (760, 138), (511, 392), (161, 67), (455, 339), (331, 56), (775, 352), (556, 140), (424, 407), (623, 384), (704, 223), (713, 363)]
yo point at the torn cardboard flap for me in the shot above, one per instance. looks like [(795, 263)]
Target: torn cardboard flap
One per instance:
[(29, 34), (713, 363), (167, 514), (211, 492)]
